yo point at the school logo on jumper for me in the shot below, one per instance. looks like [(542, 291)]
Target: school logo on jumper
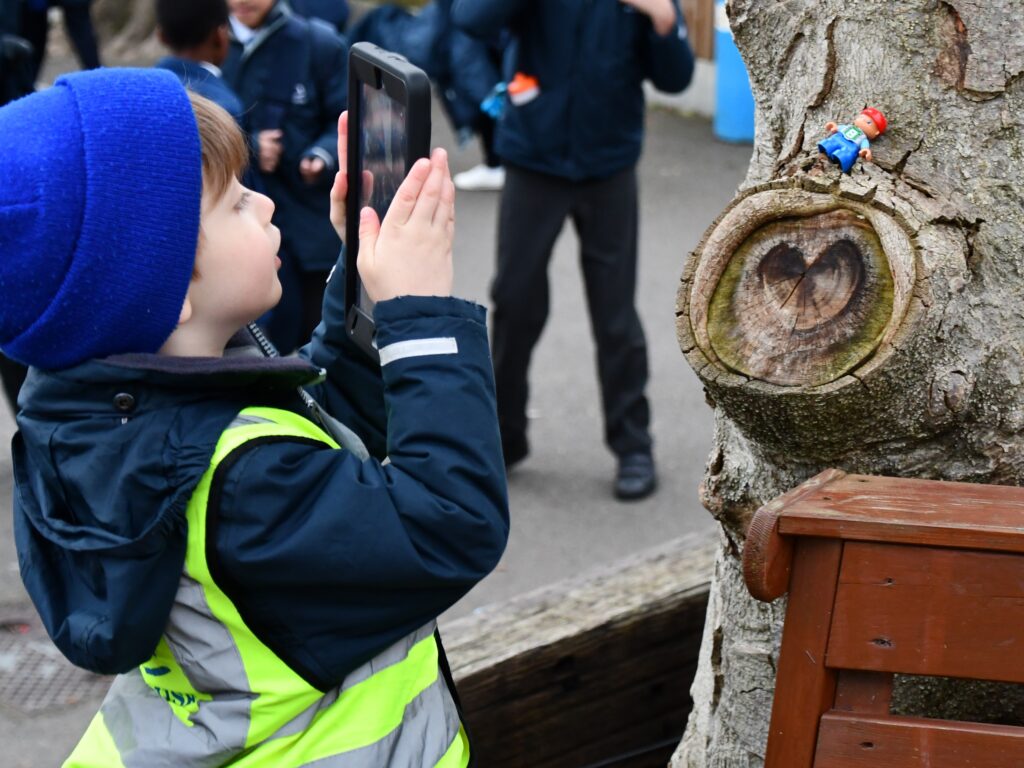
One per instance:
[(300, 96)]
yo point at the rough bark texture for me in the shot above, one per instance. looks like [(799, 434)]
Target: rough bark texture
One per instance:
[(925, 379)]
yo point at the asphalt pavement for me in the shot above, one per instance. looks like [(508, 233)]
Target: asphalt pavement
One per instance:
[(564, 518)]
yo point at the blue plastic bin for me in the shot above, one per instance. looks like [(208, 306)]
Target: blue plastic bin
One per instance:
[(734, 104)]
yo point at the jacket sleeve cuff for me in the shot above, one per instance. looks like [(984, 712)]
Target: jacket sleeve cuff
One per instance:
[(420, 326)]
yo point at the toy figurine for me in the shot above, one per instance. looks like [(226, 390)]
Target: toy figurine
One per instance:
[(848, 142)]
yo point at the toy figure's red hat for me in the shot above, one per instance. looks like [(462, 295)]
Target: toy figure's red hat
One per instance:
[(877, 116)]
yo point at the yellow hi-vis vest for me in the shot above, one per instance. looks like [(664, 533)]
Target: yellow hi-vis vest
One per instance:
[(213, 694)]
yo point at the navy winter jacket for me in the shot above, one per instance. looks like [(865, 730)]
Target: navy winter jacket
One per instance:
[(331, 559), (590, 57), (196, 77), (293, 77), (334, 12)]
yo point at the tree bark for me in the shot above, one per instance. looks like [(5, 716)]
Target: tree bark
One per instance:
[(870, 321)]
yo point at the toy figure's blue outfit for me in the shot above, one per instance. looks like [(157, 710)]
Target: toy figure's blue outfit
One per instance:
[(844, 146)]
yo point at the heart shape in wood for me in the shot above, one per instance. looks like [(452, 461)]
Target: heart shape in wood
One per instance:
[(811, 292)]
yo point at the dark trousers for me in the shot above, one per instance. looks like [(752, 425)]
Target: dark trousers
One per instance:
[(35, 27), (13, 376), (484, 128), (534, 207)]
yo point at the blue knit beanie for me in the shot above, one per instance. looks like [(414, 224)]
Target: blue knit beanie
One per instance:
[(100, 189)]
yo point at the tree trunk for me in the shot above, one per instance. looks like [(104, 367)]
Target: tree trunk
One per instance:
[(872, 321)]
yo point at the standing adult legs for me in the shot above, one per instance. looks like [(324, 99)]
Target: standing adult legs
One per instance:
[(533, 208), (605, 216), (78, 22), (35, 27)]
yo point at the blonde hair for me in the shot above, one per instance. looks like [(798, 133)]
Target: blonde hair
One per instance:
[(225, 152)]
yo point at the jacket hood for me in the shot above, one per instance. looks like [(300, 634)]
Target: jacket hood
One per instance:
[(107, 456)]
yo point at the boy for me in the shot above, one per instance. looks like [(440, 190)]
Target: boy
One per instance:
[(196, 32), (570, 141), (292, 77), (269, 598)]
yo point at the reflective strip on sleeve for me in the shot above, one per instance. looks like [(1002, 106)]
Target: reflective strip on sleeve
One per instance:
[(418, 348)]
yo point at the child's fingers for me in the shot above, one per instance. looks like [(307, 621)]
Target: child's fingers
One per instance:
[(340, 189), (369, 230), (409, 191), (446, 207), (430, 196), (338, 194), (343, 141), (367, 191)]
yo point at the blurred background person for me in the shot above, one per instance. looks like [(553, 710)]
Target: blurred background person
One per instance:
[(35, 27), (196, 32), (16, 55), (334, 12), (291, 75), (570, 135)]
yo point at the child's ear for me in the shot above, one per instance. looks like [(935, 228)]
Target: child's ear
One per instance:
[(186, 311)]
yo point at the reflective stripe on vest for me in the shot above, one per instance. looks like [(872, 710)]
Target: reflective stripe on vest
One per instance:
[(213, 694)]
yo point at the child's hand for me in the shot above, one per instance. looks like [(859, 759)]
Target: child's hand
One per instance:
[(340, 189), (661, 12), (270, 149), (310, 169), (410, 254)]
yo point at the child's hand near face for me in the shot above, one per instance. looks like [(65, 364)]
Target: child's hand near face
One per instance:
[(410, 253)]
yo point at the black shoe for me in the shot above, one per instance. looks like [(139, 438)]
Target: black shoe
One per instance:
[(515, 450), (636, 478)]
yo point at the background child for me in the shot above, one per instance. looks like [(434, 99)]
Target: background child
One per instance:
[(178, 518), (292, 76), (196, 32), (570, 142)]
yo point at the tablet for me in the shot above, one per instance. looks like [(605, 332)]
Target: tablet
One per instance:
[(389, 130)]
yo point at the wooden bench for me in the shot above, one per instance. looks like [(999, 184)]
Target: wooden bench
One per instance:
[(590, 671), (889, 576)]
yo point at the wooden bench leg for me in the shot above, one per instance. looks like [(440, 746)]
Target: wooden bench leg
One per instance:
[(805, 687)]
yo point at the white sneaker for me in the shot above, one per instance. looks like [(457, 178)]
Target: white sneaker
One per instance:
[(481, 178)]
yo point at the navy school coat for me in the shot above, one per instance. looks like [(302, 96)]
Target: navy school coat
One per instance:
[(331, 558), (294, 77), (591, 58)]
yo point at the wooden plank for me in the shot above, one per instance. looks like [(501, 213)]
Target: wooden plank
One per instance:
[(854, 741), (805, 687), (929, 611), (618, 730), (597, 711), (909, 511), (594, 657), (864, 692), (588, 668)]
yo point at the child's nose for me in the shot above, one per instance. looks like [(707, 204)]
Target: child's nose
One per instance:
[(267, 203)]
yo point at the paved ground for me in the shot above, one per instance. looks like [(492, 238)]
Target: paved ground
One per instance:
[(564, 518)]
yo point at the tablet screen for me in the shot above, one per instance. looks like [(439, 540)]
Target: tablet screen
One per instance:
[(384, 144)]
